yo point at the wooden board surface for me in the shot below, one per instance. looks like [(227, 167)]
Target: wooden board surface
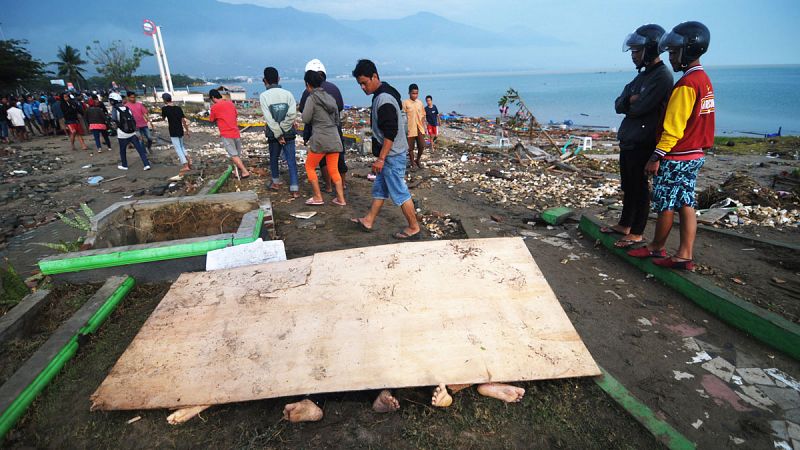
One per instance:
[(411, 314)]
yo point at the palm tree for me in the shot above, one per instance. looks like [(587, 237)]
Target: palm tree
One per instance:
[(69, 65)]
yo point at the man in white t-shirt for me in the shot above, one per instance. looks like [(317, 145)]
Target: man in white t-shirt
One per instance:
[(17, 119)]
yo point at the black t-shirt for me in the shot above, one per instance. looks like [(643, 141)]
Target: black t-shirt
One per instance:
[(432, 115), (174, 116)]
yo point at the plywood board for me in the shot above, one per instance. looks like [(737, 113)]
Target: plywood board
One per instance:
[(410, 314)]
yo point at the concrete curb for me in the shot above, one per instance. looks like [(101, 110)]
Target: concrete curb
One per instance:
[(766, 326), (660, 429), (28, 381), (15, 320)]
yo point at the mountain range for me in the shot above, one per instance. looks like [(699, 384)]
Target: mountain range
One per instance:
[(211, 38)]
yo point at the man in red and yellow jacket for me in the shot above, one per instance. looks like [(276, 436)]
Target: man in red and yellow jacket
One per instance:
[(688, 130)]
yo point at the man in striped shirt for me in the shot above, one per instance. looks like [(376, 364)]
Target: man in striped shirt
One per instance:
[(688, 130)]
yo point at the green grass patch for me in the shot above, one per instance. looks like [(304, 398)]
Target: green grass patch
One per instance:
[(784, 145)]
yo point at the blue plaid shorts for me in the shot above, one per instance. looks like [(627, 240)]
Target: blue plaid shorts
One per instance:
[(674, 185)]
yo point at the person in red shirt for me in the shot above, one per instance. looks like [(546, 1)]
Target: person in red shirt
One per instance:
[(223, 112), (688, 130)]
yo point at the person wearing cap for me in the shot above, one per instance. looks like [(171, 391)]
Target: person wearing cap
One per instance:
[(317, 66), (280, 112), (177, 123), (223, 112)]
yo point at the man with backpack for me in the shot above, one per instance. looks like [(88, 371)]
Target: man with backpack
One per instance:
[(126, 132)]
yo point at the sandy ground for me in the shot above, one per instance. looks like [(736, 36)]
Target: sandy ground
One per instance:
[(639, 330)]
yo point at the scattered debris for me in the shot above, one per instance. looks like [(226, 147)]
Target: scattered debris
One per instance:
[(700, 357), (304, 214), (682, 375), (135, 419), (697, 424)]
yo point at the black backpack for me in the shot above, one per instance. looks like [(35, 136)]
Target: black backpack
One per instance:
[(125, 120)]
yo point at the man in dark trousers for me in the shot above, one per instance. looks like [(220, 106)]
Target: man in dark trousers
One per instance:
[(642, 101)]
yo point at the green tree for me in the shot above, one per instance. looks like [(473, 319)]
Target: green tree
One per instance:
[(69, 65), (116, 61), (17, 66)]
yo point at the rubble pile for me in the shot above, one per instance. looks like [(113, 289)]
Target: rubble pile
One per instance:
[(756, 204), (532, 185), (441, 225)]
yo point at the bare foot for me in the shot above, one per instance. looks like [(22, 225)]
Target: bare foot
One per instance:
[(385, 402), (504, 392), (184, 414), (302, 411), (440, 397), (457, 387)]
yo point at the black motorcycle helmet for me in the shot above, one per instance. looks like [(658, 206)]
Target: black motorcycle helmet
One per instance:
[(690, 38), (646, 37)]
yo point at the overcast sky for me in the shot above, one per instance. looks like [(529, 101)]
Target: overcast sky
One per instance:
[(743, 32)]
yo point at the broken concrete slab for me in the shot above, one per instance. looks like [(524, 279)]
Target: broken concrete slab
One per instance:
[(754, 396), (558, 215), (784, 378), (719, 367), (754, 375), (786, 398)]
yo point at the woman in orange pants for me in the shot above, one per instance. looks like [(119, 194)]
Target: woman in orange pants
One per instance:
[(322, 113)]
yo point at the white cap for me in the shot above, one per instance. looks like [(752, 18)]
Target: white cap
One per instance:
[(316, 66)]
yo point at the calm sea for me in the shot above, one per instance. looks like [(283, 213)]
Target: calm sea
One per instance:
[(748, 99)]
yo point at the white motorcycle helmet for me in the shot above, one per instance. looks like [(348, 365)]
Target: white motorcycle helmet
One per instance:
[(316, 66)]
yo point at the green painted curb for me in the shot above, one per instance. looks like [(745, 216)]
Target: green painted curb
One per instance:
[(766, 326), (15, 411), (660, 429), (221, 180), (80, 263)]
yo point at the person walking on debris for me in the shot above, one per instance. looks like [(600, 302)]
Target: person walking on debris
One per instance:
[(30, 108), (333, 90), (4, 122), (642, 101), (688, 130), (280, 112), (432, 118), (390, 149), (415, 114), (223, 112), (72, 111), (142, 118), (46, 117), (16, 118), (177, 124), (97, 116), (122, 116), (322, 113)]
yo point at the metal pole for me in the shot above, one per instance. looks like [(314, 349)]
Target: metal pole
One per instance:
[(170, 89), (160, 64)]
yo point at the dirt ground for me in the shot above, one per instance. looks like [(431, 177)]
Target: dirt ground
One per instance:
[(66, 299), (635, 328)]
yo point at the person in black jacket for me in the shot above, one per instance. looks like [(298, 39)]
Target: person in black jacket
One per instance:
[(642, 101)]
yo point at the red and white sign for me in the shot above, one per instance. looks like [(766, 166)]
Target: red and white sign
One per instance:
[(149, 27)]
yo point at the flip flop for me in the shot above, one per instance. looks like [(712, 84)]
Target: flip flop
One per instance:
[(670, 263), (275, 186), (625, 243), (246, 177), (337, 203), (312, 202), (644, 252), (361, 225), (402, 236), (609, 230)]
